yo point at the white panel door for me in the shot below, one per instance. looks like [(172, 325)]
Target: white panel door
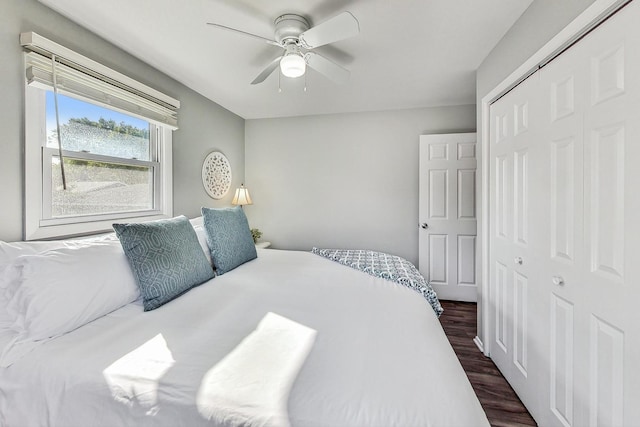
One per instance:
[(565, 206), (515, 244), (562, 84), (447, 212), (611, 277), (593, 141)]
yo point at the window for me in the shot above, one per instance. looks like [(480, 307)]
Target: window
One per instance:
[(109, 161), (112, 160)]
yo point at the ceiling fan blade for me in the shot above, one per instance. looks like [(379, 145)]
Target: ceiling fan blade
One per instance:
[(255, 36), (267, 71), (339, 27), (328, 68)]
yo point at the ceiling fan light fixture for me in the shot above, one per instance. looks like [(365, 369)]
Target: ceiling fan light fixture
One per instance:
[(293, 64), (294, 34)]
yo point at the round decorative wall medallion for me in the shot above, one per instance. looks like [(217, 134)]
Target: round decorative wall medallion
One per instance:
[(216, 175)]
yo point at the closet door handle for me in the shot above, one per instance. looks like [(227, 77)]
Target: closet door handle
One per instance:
[(557, 280), (424, 225), (518, 260)]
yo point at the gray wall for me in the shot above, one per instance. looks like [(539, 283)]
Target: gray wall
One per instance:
[(537, 25), (343, 180), (204, 125)]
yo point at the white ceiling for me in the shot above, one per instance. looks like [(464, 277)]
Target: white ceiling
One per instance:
[(409, 53)]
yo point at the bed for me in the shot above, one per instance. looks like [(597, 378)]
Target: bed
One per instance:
[(287, 339)]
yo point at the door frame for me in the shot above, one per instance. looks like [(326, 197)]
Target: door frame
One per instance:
[(594, 15)]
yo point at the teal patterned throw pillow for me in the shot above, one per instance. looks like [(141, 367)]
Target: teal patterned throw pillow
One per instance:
[(229, 238), (165, 257)]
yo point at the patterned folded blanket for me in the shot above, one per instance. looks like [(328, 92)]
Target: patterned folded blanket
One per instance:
[(385, 266)]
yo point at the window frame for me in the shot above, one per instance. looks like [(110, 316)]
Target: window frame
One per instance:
[(38, 223)]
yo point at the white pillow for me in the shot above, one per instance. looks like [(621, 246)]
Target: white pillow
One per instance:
[(198, 225), (60, 290), (197, 221), (10, 251)]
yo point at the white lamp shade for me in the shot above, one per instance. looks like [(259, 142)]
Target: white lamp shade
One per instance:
[(292, 65), (241, 197)]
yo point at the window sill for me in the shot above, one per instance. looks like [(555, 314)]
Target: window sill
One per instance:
[(43, 232)]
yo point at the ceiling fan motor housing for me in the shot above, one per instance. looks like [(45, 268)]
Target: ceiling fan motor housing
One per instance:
[(289, 27)]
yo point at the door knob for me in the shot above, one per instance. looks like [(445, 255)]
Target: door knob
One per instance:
[(518, 260), (424, 225), (557, 280)]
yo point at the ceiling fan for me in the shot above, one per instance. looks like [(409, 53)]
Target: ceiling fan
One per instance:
[(293, 34)]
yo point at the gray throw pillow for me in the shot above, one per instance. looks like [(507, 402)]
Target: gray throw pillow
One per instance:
[(229, 238), (165, 257)]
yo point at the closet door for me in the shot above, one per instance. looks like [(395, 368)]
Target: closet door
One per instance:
[(515, 245), (592, 133), (562, 87)]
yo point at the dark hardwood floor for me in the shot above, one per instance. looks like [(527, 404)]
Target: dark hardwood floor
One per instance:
[(500, 402)]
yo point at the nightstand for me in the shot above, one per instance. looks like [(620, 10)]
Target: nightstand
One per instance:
[(263, 245)]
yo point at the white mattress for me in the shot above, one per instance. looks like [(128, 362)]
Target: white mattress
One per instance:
[(287, 339)]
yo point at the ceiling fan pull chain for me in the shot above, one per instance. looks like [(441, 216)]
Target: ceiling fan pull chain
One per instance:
[(305, 82), (279, 87)]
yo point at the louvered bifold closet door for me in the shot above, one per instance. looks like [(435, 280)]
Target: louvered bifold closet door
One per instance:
[(515, 244), (580, 274)]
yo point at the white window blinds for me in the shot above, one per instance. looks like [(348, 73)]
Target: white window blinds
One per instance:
[(77, 75)]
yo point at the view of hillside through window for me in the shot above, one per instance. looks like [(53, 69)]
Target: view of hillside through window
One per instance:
[(112, 184)]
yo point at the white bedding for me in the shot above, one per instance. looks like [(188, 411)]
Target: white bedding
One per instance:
[(287, 339)]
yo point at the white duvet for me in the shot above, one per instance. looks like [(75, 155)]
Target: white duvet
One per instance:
[(288, 339)]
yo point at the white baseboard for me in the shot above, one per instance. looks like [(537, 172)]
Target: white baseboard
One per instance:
[(479, 344)]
